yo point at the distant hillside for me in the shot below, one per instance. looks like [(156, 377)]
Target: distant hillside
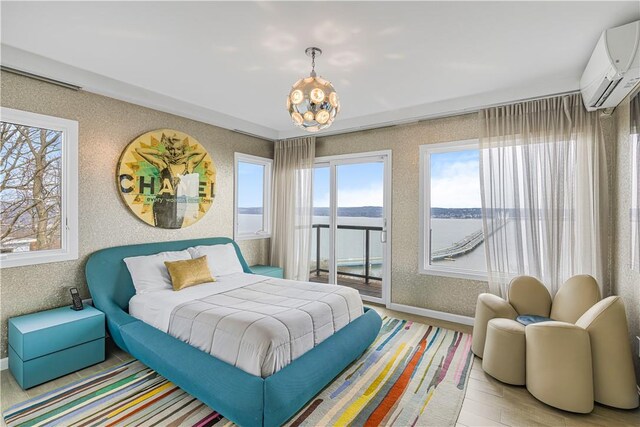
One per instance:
[(456, 213), (376, 212), (361, 212), (250, 211)]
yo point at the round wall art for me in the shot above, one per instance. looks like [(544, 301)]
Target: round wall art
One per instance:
[(166, 178)]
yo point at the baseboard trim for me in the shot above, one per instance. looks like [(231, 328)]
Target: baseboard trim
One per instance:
[(435, 314), (4, 364)]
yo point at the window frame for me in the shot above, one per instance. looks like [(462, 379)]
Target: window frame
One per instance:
[(267, 183), (69, 199), (424, 266)]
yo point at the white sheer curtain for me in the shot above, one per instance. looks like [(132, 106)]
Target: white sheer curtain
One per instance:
[(292, 206), (544, 188), (635, 182)]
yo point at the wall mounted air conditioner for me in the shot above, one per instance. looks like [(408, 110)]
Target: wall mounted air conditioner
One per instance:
[(614, 67)]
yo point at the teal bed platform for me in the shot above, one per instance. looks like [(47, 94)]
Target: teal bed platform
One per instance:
[(245, 399)]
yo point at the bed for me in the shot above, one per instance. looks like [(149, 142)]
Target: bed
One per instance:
[(259, 324), (247, 399)]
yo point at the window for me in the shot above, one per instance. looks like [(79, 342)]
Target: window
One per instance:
[(38, 189), (452, 241), (253, 197)]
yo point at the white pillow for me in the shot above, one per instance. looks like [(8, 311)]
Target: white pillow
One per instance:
[(222, 259), (149, 272)]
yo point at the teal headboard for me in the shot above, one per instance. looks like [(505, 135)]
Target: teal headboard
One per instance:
[(110, 282)]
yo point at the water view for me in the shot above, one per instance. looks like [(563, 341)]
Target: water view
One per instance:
[(351, 241)]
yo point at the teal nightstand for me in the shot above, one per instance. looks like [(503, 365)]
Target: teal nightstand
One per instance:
[(53, 343), (268, 270)]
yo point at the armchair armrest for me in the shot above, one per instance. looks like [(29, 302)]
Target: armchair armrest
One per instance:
[(497, 305), (558, 365), (488, 307), (613, 374)]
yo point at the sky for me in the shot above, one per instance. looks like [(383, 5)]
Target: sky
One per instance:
[(358, 185), (250, 185), (454, 183), (455, 179)]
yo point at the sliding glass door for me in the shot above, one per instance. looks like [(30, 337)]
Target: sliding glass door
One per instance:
[(350, 228)]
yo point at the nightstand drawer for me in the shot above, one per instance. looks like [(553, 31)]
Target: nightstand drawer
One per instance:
[(46, 368), (38, 334), (267, 270)]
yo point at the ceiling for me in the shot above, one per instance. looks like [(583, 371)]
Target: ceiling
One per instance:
[(232, 63)]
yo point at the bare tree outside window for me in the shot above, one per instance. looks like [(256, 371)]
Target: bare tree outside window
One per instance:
[(30, 188)]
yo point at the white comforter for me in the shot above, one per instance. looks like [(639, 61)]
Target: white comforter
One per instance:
[(257, 323)]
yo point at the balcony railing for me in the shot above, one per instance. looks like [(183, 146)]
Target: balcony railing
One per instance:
[(367, 276)]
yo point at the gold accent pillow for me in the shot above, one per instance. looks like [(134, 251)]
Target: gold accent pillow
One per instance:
[(189, 272)]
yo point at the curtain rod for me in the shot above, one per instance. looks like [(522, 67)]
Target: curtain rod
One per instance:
[(39, 77), (442, 115)]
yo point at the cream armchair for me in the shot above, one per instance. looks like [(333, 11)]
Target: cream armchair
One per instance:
[(581, 354), (500, 340), (528, 296)]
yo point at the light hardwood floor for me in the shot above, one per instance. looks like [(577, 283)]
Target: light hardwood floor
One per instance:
[(487, 402)]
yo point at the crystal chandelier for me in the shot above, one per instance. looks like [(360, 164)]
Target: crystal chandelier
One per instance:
[(313, 102)]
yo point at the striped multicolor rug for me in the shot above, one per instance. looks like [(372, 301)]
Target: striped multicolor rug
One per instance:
[(413, 374)]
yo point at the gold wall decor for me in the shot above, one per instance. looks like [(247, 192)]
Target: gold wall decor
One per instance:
[(167, 178)]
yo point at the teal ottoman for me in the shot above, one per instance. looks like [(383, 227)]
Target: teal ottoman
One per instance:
[(268, 270), (53, 343)]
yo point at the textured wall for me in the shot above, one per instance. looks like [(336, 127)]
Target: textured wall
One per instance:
[(626, 282), (106, 126), (408, 287)]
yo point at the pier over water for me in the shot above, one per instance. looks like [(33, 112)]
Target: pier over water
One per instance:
[(459, 248), (464, 246)]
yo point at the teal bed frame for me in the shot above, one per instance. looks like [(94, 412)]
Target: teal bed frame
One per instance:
[(243, 398)]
